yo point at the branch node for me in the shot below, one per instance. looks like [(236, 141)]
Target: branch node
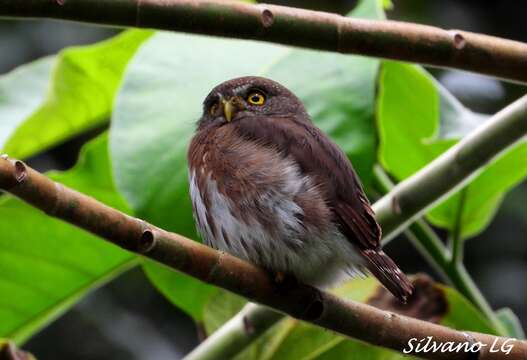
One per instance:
[(459, 40), (267, 18), (146, 241), (248, 326), (396, 206), (20, 171), (390, 316), (315, 309)]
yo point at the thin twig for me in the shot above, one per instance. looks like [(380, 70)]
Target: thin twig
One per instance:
[(423, 44), (456, 238)]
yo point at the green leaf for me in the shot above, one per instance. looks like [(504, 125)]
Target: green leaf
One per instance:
[(220, 308), (21, 92), (462, 315), (161, 100), (186, 293), (511, 323), (293, 339), (387, 4), (417, 121), (48, 265), (51, 100)]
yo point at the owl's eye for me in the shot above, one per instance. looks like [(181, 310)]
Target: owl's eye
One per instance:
[(256, 98), (213, 108)]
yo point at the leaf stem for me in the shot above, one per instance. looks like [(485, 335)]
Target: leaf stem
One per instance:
[(456, 242)]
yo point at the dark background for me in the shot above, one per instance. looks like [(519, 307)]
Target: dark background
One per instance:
[(128, 319)]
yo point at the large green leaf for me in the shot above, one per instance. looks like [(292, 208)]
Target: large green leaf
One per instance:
[(48, 265), (160, 102), (292, 339), (418, 120), (21, 92), (51, 100)]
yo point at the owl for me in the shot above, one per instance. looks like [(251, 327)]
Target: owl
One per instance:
[(271, 188)]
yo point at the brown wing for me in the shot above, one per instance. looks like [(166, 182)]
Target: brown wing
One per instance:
[(319, 157)]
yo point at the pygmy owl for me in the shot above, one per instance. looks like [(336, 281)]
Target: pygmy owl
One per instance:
[(269, 187)]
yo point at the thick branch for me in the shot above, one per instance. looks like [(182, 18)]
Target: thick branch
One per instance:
[(357, 320), (387, 39)]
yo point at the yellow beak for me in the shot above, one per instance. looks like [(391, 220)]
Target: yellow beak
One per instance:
[(228, 109)]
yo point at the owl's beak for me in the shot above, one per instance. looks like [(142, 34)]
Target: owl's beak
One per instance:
[(229, 110)]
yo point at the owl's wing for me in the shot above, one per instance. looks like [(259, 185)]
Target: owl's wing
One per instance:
[(318, 157)]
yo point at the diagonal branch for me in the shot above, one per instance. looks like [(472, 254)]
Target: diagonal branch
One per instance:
[(357, 320), (298, 27), (451, 170), (420, 192)]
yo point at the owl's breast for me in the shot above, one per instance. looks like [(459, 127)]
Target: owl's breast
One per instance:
[(253, 202)]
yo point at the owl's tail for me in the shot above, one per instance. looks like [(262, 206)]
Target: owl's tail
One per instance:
[(387, 272)]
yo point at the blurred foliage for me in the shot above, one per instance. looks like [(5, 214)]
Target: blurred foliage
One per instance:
[(48, 265), (511, 322)]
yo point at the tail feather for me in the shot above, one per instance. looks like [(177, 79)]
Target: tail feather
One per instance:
[(387, 272)]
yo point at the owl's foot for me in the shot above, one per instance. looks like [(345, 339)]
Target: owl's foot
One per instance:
[(284, 281), (279, 277)]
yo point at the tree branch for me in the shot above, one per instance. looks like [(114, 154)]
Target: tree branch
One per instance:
[(452, 169), (444, 174), (356, 320), (428, 45), (233, 336)]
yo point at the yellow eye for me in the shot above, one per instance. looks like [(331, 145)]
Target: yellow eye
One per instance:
[(256, 98), (213, 108)]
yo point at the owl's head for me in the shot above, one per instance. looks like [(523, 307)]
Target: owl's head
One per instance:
[(246, 97)]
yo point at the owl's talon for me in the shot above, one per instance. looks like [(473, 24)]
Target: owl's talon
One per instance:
[(284, 281), (279, 277)]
